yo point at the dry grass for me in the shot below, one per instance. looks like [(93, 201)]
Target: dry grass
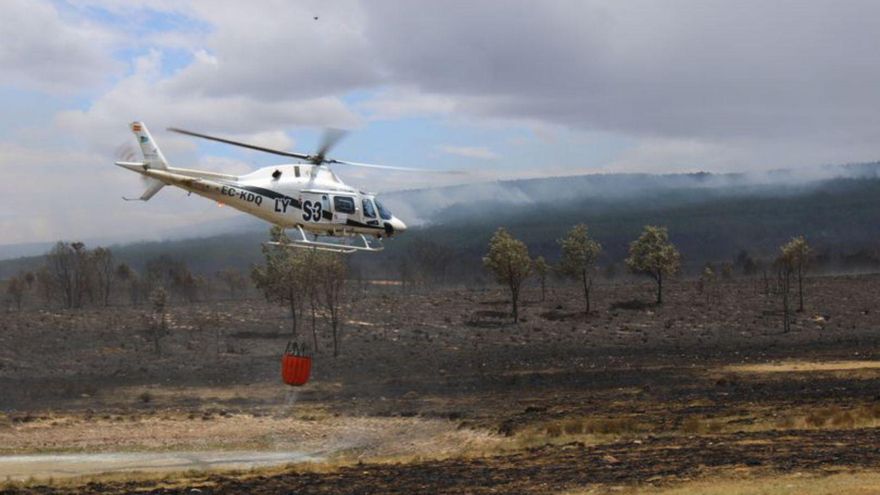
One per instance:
[(835, 417), (583, 429), (803, 367), (307, 429), (593, 430), (459, 444), (850, 483)]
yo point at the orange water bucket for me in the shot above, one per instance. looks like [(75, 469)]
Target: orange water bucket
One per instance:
[(295, 366)]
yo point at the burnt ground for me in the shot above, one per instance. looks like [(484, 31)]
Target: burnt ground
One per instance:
[(632, 393)]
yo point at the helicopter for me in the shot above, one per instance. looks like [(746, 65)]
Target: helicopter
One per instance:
[(307, 197)]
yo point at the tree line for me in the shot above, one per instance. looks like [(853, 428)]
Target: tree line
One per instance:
[(312, 283), (652, 254), (73, 276)]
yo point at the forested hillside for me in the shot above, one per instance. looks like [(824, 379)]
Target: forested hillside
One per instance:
[(710, 218)]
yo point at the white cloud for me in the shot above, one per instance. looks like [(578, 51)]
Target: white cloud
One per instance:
[(398, 103), (276, 50), (39, 49), (478, 152), (145, 96)]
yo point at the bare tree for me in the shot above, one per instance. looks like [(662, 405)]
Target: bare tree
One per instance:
[(233, 280), (333, 273), (784, 270), (186, 284), (126, 277), (46, 285), (104, 273), (69, 266), (508, 259), (406, 275), (280, 278), (15, 288), (311, 281), (210, 320), (62, 267), (541, 269), (433, 259), (159, 320), (796, 255), (708, 283), (727, 271)]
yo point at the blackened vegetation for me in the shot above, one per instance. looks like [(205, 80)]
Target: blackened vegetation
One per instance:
[(654, 379)]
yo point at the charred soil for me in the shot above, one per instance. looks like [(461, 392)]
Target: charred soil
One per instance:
[(629, 394)]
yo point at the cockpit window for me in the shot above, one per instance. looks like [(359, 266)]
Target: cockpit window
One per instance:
[(343, 204), (369, 211), (383, 212)]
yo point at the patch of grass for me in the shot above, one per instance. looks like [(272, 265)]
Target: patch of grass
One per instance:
[(803, 366), (851, 483), (693, 425), (593, 430), (832, 417)]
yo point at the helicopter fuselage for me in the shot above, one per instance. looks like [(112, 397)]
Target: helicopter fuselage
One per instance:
[(293, 195)]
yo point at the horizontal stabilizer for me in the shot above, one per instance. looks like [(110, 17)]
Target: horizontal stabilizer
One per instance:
[(152, 189), (134, 166)]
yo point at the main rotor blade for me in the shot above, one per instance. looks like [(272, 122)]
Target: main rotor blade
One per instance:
[(301, 156), (389, 167), (328, 140)]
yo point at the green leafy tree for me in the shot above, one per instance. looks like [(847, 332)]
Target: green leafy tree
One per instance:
[(541, 269), (508, 259), (652, 254), (796, 256), (579, 255)]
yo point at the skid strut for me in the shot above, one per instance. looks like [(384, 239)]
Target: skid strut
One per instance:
[(327, 246)]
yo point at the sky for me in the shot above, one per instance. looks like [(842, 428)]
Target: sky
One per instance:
[(498, 88)]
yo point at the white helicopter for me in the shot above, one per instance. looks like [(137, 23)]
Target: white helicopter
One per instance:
[(308, 197)]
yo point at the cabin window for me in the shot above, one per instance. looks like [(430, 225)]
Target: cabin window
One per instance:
[(369, 211), (296, 170), (343, 204)]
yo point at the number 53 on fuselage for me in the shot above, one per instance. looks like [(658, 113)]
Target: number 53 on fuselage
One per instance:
[(306, 196)]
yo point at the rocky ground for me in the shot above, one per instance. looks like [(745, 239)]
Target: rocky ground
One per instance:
[(633, 394)]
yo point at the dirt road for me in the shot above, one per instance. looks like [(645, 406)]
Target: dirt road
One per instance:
[(44, 466)]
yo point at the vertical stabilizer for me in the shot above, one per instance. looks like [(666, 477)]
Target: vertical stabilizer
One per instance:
[(152, 154)]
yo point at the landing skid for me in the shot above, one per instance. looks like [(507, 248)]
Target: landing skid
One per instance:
[(333, 247)]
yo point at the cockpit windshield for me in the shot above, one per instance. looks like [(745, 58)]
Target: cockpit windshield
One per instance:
[(369, 211), (383, 212)]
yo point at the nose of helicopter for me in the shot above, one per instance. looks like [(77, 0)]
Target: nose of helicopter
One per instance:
[(395, 226), (398, 225)]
